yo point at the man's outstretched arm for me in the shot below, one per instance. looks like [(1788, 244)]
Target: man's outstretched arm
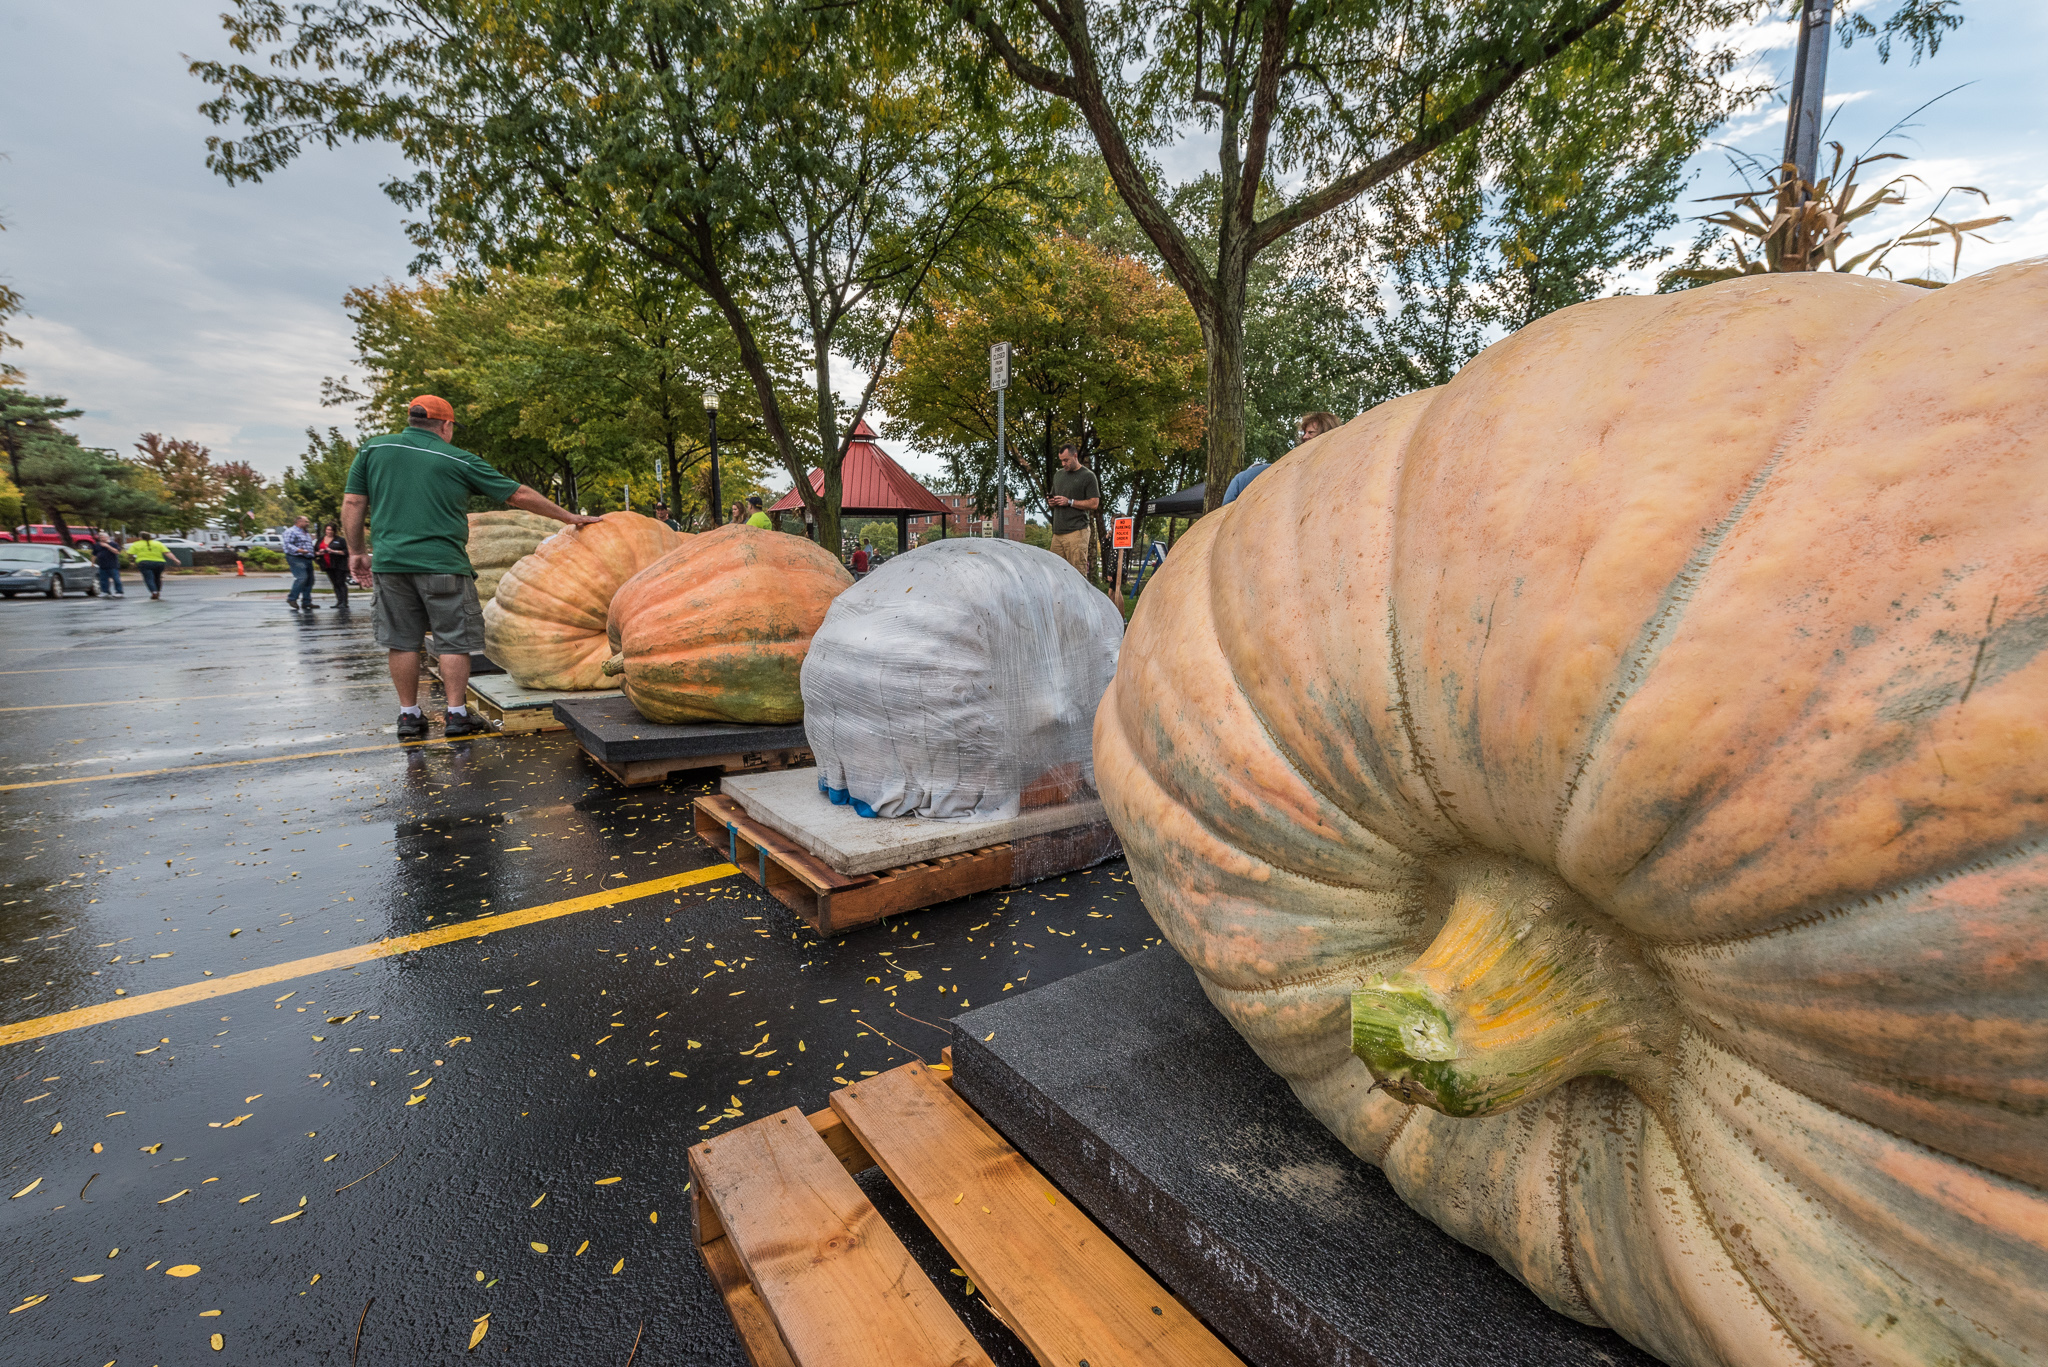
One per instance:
[(530, 499)]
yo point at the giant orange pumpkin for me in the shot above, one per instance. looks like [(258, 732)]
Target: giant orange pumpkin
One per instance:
[(716, 630), (546, 624), (1627, 823), (498, 540)]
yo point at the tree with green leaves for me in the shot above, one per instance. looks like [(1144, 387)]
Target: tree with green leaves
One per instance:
[(248, 501), (806, 168), (1107, 355), (565, 385), (1335, 98), (25, 420), (314, 485), (83, 486), (10, 305)]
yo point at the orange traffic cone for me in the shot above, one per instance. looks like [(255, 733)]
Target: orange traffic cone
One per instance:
[(240, 573)]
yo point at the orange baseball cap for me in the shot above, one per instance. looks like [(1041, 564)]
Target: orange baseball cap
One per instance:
[(432, 406)]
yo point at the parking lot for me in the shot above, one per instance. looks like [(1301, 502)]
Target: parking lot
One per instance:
[(233, 1133)]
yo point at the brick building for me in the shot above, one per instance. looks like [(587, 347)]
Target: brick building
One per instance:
[(962, 518)]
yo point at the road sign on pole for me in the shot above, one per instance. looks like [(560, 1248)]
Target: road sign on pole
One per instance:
[(1120, 533), (999, 380)]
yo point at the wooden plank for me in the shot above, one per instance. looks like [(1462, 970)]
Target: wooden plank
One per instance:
[(845, 1145), (758, 1336), (915, 886), (1066, 1288), (838, 1284)]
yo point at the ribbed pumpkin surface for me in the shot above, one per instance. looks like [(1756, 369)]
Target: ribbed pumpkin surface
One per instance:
[(716, 630), (1647, 775), (497, 541), (546, 624)]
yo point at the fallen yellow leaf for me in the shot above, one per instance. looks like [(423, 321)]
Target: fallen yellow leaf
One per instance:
[(174, 1196), (26, 1190), (538, 1248), (218, 1342), (209, 1314), (32, 1300), (586, 1244), (247, 1199), (93, 1278), (653, 1217), (606, 1181), (293, 1216), (476, 1335), (617, 1265), (57, 1128), (538, 1199), (414, 1100), (182, 1270)]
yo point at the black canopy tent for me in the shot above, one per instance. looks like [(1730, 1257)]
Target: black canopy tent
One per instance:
[(1185, 504)]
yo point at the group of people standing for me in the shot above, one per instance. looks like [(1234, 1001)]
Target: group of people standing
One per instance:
[(150, 557), (303, 552)]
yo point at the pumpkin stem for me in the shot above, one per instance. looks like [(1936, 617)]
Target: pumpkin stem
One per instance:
[(1526, 986), (615, 665)]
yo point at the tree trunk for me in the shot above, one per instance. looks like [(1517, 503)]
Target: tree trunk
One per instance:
[(1223, 337)]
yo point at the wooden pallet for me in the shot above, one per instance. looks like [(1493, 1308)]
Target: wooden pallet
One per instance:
[(516, 721), (813, 1276), (635, 772), (830, 901)]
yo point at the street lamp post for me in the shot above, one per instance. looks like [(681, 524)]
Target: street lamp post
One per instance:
[(717, 493)]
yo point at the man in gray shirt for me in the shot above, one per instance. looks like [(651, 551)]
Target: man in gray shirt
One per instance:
[(1075, 494)]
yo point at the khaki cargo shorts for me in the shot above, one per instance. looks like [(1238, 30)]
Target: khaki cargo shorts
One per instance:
[(1074, 548), (410, 605)]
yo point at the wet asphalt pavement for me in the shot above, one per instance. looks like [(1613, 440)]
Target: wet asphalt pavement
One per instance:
[(489, 1127)]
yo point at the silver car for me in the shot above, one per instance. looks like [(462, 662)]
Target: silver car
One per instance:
[(52, 571)]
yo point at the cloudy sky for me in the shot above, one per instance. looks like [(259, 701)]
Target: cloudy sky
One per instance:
[(164, 300)]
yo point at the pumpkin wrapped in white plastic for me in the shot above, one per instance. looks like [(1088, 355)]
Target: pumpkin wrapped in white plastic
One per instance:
[(959, 681)]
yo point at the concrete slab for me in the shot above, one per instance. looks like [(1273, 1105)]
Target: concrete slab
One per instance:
[(607, 726), (1127, 1088), (502, 692), (789, 802)]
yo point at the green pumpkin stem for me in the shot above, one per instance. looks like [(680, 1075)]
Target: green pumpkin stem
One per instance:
[(1524, 988)]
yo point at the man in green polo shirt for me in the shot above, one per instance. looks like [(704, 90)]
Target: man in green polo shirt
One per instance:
[(414, 487)]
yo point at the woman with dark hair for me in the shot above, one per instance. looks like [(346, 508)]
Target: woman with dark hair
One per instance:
[(330, 553)]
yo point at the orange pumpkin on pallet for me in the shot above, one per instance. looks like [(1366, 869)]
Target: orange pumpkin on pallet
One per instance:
[(1628, 825), (546, 624), (716, 630), (499, 540)]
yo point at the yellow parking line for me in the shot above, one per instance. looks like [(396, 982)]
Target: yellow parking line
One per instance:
[(184, 697), (232, 763), (208, 988)]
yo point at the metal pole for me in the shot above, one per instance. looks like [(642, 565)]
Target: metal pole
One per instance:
[(1809, 87), (717, 491), (1002, 472)]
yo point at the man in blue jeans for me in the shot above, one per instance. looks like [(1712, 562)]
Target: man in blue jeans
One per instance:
[(298, 553)]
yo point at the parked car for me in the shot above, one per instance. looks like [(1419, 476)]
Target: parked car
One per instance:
[(46, 534), (269, 541), (52, 571)]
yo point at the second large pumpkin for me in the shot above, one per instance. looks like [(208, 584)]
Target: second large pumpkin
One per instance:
[(546, 624), (716, 630)]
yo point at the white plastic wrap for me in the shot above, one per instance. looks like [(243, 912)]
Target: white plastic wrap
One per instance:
[(959, 681)]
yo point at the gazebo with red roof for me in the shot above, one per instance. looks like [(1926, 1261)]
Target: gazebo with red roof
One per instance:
[(872, 484)]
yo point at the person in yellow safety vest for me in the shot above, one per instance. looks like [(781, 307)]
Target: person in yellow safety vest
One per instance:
[(150, 556)]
